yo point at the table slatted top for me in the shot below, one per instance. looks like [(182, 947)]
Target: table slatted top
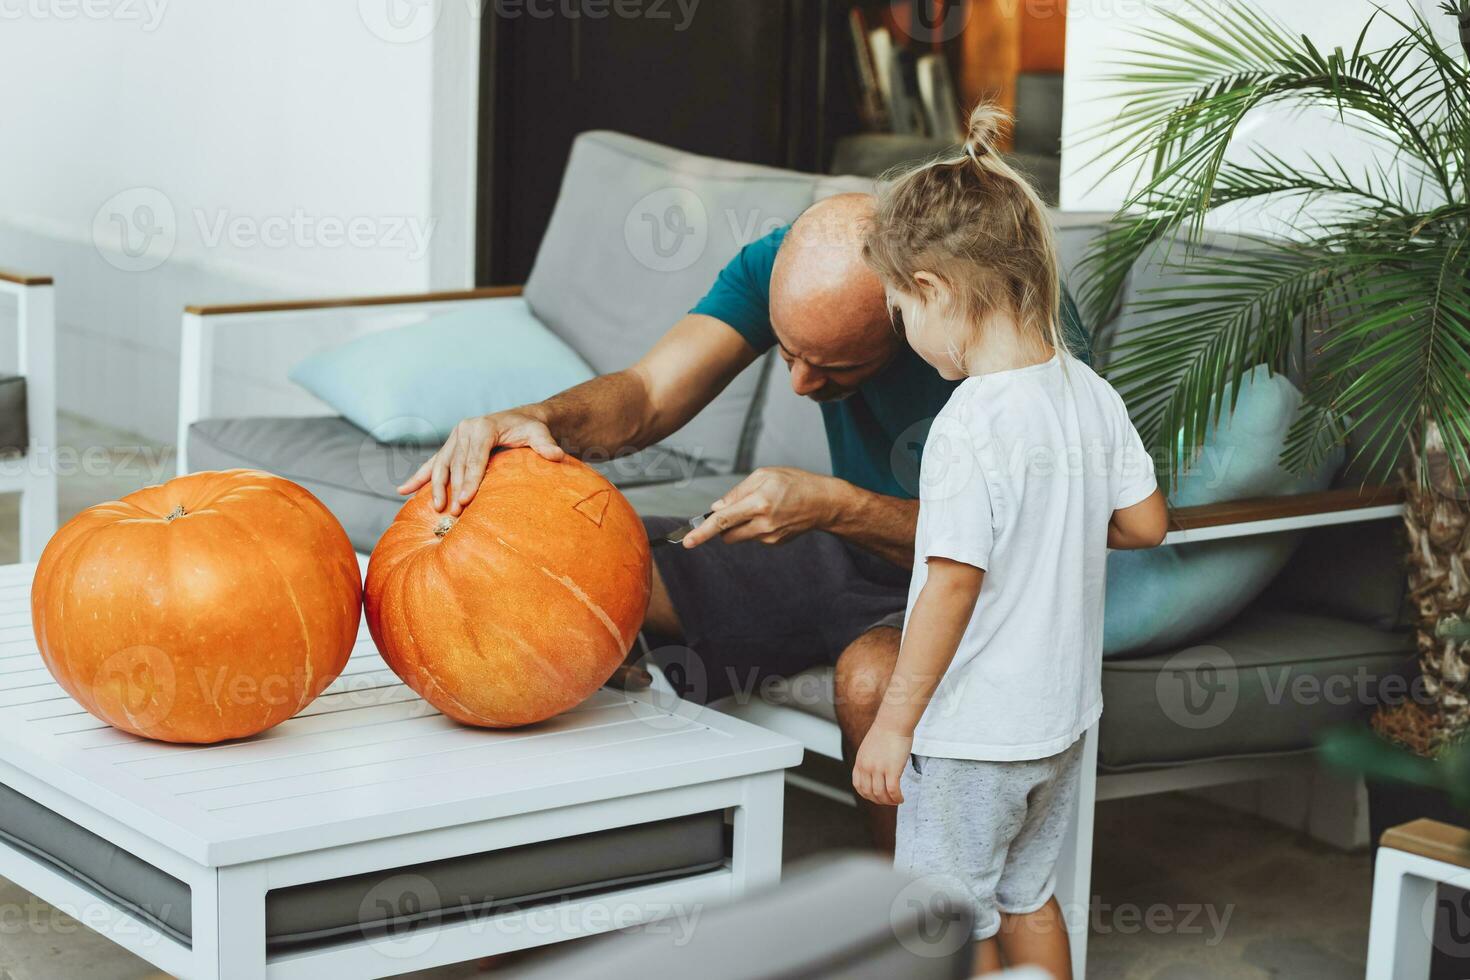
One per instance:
[(367, 759)]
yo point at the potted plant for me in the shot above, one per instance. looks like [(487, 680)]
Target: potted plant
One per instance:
[(1364, 296)]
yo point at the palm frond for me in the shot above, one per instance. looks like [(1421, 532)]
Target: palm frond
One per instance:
[(1367, 299)]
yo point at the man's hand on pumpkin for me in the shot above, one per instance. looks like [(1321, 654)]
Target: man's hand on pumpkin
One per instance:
[(772, 505), (456, 470)]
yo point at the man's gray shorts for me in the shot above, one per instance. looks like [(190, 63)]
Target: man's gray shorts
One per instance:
[(995, 828), (751, 611)]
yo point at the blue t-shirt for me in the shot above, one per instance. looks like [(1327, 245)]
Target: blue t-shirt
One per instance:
[(877, 435)]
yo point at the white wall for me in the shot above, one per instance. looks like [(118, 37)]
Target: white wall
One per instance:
[(159, 153), (1099, 32)]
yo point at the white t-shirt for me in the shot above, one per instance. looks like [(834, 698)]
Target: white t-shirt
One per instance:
[(1022, 473)]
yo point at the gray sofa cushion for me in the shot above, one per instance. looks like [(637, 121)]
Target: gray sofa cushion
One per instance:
[(1353, 571), (336, 910), (356, 476), (1267, 683), (789, 430), (1278, 679), (849, 918), (638, 235), (14, 423), (682, 498)]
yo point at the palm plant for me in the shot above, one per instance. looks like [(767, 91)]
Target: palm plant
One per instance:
[(1364, 296)]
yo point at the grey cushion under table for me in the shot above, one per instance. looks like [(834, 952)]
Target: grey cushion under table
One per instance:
[(355, 475), (321, 912)]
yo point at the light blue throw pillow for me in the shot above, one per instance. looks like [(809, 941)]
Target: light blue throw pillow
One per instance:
[(413, 384), (1166, 597)]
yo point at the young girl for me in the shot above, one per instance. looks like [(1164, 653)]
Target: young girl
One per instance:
[(1030, 474)]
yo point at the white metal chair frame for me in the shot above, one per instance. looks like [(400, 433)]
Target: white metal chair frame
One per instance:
[(34, 476)]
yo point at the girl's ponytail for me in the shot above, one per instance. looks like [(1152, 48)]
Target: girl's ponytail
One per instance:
[(979, 223), (986, 123)]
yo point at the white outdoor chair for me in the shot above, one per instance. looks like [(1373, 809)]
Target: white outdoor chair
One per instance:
[(33, 475), (1415, 859)]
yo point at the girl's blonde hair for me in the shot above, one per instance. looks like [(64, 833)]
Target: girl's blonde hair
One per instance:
[(976, 223)]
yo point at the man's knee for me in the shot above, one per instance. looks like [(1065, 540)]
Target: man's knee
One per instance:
[(863, 672)]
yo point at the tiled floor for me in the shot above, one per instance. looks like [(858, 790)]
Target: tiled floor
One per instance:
[(1187, 890)]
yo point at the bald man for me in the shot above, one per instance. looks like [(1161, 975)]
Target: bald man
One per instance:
[(728, 610)]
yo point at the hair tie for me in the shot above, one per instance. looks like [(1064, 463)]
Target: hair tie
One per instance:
[(974, 153)]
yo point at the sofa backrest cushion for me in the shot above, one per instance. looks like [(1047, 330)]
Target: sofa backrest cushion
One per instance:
[(789, 430), (638, 235)]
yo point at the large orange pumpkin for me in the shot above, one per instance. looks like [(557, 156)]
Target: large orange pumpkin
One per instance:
[(521, 607), (209, 608)]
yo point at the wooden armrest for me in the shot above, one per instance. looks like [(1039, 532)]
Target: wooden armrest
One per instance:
[(1431, 839), (21, 279), (1276, 508), (286, 306)]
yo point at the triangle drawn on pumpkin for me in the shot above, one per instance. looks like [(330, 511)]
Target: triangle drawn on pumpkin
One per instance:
[(594, 508)]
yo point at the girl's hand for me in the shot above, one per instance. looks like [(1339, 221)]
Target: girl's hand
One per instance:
[(879, 766)]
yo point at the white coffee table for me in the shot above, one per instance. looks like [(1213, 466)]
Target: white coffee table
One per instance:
[(371, 780)]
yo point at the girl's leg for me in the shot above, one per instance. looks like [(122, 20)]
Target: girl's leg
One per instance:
[(987, 957), (1037, 939)]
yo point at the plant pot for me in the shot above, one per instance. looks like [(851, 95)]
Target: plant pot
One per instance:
[(1391, 805)]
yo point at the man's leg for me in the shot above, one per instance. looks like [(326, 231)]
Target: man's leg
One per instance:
[(862, 676), (662, 620), (661, 617)]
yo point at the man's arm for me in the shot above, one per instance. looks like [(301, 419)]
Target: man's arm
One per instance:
[(613, 414), (777, 503)]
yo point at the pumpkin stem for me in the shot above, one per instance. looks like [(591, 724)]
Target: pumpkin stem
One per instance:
[(175, 514), (445, 523)]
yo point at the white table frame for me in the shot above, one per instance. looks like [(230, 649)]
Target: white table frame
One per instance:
[(34, 475), (230, 867)]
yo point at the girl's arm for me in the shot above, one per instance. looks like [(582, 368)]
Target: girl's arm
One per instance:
[(1143, 525), (935, 627)]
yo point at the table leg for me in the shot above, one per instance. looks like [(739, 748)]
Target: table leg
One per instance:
[(756, 860), (229, 926)]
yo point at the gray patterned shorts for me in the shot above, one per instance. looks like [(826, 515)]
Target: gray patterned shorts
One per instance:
[(995, 828)]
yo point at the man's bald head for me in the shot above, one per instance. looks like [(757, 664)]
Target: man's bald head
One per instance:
[(827, 306)]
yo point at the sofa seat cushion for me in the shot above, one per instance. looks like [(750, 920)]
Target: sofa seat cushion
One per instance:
[(14, 426), (356, 476), (680, 498), (1268, 683)]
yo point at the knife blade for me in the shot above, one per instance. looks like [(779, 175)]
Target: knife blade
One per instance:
[(678, 534)]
